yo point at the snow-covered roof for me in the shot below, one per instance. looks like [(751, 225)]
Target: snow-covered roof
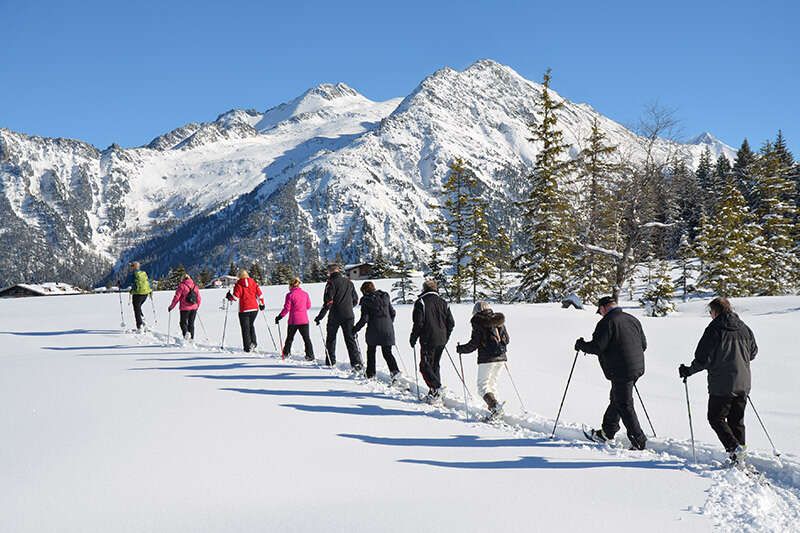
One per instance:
[(356, 265), (49, 288)]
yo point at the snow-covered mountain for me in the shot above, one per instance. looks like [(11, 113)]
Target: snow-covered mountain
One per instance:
[(328, 173)]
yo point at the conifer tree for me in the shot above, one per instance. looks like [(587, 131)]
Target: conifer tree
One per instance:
[(282, 274), (172, 279), (480, 267), (497, 282), (435, 271), (547, 257), (686, 267), (381, 269), (705, 179), (403, 288), (743, 167), (725, 245), (233, 270), (315, 272), (689, 199), (657, 298), (256, 273)]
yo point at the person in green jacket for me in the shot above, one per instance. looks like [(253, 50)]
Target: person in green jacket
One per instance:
[(140, 290)]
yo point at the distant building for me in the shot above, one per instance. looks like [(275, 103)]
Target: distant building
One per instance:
[(23, 290), (222, 282), (358, 271)]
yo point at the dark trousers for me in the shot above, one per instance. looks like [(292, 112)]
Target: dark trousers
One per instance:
[(247, 321), (620, 406), (349, 340), (430, 357), (138, 302), (387, 355), (187, 322), (726, 416), (303, 329)]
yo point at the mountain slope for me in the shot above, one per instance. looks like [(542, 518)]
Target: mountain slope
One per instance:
[(327, 174)]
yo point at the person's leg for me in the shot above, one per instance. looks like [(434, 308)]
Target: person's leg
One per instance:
[(352, 345), (371, 360), (426, 367), (736, 418), (291, 329), (330, 340), (436, 365), (718, 409), (623, 399), (138, 301), (483, 386), (252, 325), (611, 417), (304, 332), (190, 323), (244, 325), (183, 322), (388, 356)]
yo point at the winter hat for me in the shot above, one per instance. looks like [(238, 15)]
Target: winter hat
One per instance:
[(480, 306)]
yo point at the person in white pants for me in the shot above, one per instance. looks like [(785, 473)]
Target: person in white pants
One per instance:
[(490, 338)]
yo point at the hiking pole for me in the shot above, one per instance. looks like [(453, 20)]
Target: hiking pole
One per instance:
[(461, 362), (645, 410), (153, 305), (774, 449), (227, 306), (456, 369), (416, 373), (269, 330), (169, 325), (280, 338), (691, 427), (552, 435), (121, 314), (325, 345), (402, 361), (519, 397), (204, 327)]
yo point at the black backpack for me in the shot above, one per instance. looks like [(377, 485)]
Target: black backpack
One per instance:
[(192, 296), (495, 340)]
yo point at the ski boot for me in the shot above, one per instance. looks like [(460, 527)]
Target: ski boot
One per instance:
[(596, 435), (434, 397)]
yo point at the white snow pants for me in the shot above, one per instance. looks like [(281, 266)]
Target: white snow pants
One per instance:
[(487, 377)]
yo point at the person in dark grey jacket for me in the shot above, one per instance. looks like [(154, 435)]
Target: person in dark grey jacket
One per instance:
[(619, 343), (432, 325), (378, 315), (725, 351), (339, 299)]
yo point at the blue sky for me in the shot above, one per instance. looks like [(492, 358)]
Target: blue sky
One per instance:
[(126, 72)]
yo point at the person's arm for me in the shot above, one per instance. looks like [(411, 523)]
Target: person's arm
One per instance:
[(199, 298), (504, 335), (237, 291), (644, 339), (259, 294), (753, 345), (417, 320), (177, 298), (451, 324), (308, 301), (473, 344), (600, 338), (353, 293), (287, 305), (702, 354), (327, 301), (363, 319), (392, 312)]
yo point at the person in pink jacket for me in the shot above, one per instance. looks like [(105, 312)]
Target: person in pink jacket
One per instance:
[(297, 304), (187, 296)]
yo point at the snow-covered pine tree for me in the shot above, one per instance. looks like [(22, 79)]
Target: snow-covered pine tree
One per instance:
[(381, 268), (454, 231), (721, 170), (435, 271), (743, 167), (547, 256), (256, 273), (497, 284), (233, 270), (204, 278), (597, 169), (480, 267), (725, 246), (403, 288), (657, 297), (315, 272), (688, 197), (705, 179), (687, 267), (776, 214), (172, 279), (282, 273)]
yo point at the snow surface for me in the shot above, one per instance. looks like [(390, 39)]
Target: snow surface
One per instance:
[(107, 430)]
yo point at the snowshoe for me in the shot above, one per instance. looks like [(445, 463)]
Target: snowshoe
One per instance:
[(310, 358), (434, 397), (596, 435), (495, 413)]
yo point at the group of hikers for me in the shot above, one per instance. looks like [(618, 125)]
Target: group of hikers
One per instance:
[(724, 351)]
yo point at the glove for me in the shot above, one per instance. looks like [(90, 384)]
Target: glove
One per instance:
[(169, 309), (261, 307), (277, 319), (580, 345), (413, 340), (229, 296), (317, 321), (460, 349), (684, 371), (356, 330)]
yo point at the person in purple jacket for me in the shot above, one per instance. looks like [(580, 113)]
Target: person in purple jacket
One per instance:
[(187, 297), (297, 304)]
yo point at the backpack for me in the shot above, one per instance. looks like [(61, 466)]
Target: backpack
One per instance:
[(192, 296), (495, 341)]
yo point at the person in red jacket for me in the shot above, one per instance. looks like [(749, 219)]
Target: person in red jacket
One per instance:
[(297, 304), (187, 296), (248, 293)]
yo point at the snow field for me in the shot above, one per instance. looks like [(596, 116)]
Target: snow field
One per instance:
[(107, 426)]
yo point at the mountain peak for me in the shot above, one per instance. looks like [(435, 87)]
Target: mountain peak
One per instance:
[(330, 91), (705, 138)]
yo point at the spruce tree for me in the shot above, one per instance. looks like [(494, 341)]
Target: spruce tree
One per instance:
[(657, 297), (282, 274), (480, 267), (172, 279), (381, 269), (403, 288), (686, 267), (256, 273), (725, 246), (548, 256), (705, 179), (204, 278), (435, 271), (497, 282), (233, 270), (743, 167), (689, 199)]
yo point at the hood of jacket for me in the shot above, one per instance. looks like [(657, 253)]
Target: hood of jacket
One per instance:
[(728, 322), (488, 319)]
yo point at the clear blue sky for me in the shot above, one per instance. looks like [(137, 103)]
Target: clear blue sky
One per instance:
[(127, 71)]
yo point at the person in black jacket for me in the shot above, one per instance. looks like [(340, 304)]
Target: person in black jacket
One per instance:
[(489, 337), (619, 343), (725, 351), (378, 315), (432, 325), (340, 298)]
